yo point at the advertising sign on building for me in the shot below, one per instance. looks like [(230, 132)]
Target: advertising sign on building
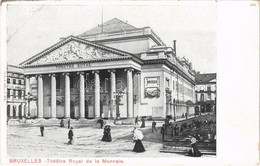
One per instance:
[(152, 87)]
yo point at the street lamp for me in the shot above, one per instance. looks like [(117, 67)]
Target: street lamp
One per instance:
[(29, 97)]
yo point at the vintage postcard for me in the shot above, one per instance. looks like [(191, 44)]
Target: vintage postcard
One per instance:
[(119, 83)]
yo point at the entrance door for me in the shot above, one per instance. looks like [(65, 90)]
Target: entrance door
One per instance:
[(86, 109), (208, 108), (20, 111), (14, 112), (72, 109)]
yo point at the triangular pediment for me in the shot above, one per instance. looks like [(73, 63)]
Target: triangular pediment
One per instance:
[(74, 49)]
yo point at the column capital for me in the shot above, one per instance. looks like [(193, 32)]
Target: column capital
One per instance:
[(53, 74), (111, 70), (67, 74), (27, 76), (95, 71), (129, 69), (80, 72), (38, 75)]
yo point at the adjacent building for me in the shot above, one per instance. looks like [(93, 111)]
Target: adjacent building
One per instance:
[(15, 92), (206, 91), (112, 71)]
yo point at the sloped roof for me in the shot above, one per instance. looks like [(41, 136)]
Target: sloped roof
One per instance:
[(113, 25), (204, 78)]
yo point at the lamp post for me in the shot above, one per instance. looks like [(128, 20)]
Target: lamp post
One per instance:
[(118, 99), (29, 97)]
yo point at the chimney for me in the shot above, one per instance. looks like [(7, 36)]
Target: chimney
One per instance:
[(174, 47)]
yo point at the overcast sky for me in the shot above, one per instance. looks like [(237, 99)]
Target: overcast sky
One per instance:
[(33, 28)]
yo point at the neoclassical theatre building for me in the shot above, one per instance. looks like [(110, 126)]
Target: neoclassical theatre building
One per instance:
[(112, 71)]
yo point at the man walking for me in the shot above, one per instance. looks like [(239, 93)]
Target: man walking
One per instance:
[(136, 120), (68, 123), (70, 136), (42, 130), (163, 131), (154, 126)]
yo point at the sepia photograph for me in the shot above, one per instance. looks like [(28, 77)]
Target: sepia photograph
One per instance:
[(94, 83)]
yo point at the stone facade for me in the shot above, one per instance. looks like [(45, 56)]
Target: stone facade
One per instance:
[(113, 74), (15, 92)]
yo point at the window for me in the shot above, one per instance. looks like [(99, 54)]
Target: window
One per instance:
[(167, 83), (19, 94), (202, 88), (209, 96), (8, 93), (20, 82), (14, 93), (202, 97), (208, 88), (196, 96), (8, 80), (14, 81)]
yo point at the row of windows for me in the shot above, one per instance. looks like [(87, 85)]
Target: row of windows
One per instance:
[(209, 88), (15, 81), (180, 87), (16, 93), (202, 97)]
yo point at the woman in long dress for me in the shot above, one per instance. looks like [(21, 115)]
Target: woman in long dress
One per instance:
[(104, 138), (107, 134), (194, 151), (138, 136)]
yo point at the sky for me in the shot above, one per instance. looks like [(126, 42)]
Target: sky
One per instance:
[(33, 28)]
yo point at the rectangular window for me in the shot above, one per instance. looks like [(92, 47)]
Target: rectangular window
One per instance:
[(167, 81), (19, 94), (14, 81), (208, 88), (209, 96), (20, 82), (8, 80), (202, 97), (8, 93), (14, 93)]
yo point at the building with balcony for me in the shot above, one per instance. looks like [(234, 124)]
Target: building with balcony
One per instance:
[(15, 92), (112, 71), (206, 91)]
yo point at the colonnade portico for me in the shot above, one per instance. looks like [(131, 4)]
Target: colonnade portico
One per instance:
[(82, 75)]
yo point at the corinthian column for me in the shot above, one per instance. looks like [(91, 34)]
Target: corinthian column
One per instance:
[(40, 96), (129, 92), (112, 92), (53, 95), (67, 95), (97, 94), (81, 94)]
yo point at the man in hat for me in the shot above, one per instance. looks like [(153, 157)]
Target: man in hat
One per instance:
[(42, 130), (154, 126), (70, 135)]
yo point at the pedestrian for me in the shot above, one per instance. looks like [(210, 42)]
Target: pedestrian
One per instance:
[(143, 122), (176, 130), (42, 130), (62, 123), (101, 123), (107, 134), (154, 126), (138, 136), (194, 151), (70, 135), (68, 123), (163, 131), (136, 120)]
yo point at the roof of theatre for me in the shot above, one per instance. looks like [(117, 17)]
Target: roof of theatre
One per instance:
[(205, 78), (112, 25)]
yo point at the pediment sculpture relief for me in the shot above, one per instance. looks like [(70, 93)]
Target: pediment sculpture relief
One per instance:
[(75, 51)]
